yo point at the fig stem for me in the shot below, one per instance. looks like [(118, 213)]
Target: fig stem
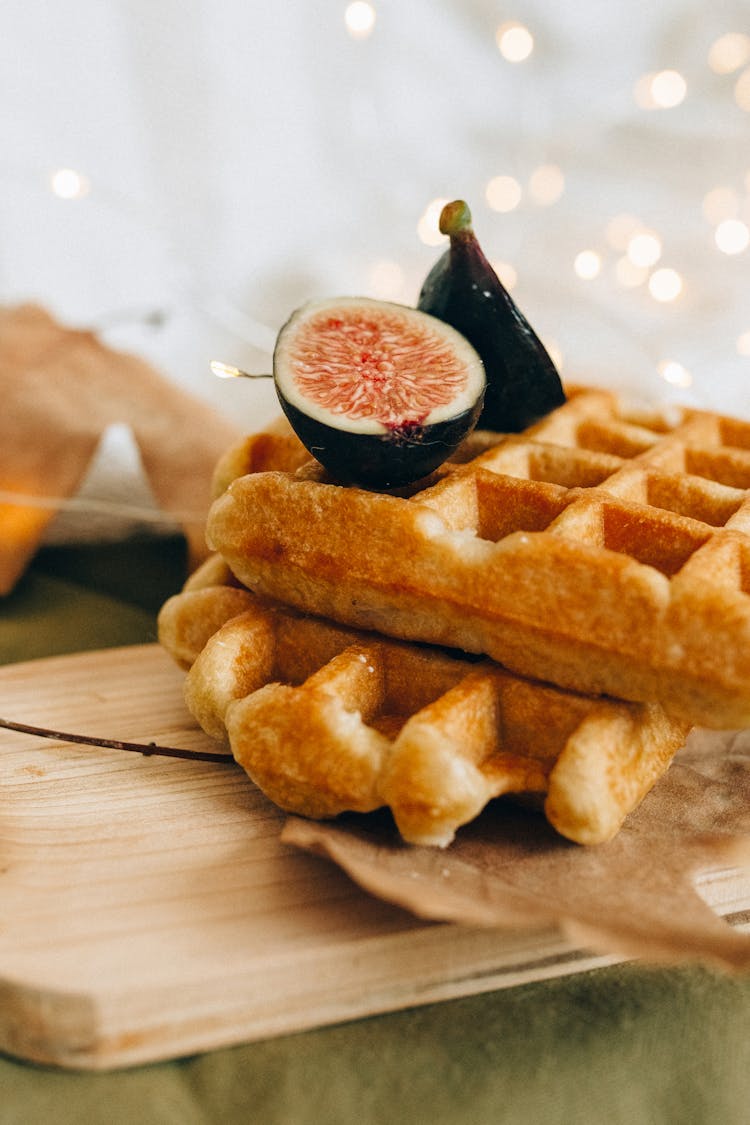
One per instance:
[(455, 218), (148, 749), (229, 371)]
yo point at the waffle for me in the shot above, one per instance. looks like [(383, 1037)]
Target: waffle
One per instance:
[(605, 550), (275, 448), (326, 719)]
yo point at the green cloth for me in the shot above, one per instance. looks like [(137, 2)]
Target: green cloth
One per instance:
[(625, 1045), (620, 1046)]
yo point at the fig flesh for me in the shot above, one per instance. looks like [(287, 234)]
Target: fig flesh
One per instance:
[(379, 393), (463, 289)]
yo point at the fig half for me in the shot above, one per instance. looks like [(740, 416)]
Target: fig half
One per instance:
[(379, 393)]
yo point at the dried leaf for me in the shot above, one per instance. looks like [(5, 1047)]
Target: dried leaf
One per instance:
[(634, 896), (61, 390)]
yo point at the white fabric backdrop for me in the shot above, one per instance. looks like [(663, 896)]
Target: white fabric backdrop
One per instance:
[(243, 157)]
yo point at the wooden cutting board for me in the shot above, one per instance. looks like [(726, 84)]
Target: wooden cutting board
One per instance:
[(148, 908)]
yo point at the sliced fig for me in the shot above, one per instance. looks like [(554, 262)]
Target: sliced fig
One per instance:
[(463, 289), (379, 393)]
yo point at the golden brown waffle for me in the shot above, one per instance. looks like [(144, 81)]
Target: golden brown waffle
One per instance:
[(276, 447), (327, 719), (606, 549)]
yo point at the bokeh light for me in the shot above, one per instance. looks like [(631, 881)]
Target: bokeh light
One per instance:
[(587, 264), (668, 89), (729, 52), (359, 18), (732, 236), (503, 193), (663, 90), (546, 184), (644, 248), (515, 42), (674, 373), (69, 184), (665, 285), (620, 229), (720, 203), (428, 227), (742, 90), (507, 273)]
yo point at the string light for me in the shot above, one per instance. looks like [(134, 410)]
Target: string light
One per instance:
[(515, 42), (663, 90), (546, 184), (503, 193), (644, 249), (665, 285), (428, 227), (224, 370), (359, 18), (587, 264), (69, 184), (674, 373), (742, 90), (729, 52), (732, 236)]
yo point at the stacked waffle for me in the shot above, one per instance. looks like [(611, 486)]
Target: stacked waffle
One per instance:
[(597, 565)]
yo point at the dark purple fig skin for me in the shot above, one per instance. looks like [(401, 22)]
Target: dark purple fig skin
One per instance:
[(463, 290), (378, 462)]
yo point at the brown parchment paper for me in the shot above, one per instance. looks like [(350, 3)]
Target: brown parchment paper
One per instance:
[(61, 388), (634, 896)]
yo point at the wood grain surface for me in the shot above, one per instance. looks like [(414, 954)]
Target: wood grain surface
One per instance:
[(148, 908)]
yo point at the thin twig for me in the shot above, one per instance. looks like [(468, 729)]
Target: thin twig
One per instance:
[(148, 749)]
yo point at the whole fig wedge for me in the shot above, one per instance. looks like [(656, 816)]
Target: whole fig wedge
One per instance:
[(463, 290)]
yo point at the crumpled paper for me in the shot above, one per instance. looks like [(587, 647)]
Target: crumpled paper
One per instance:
[(634, 897), (62, 391)]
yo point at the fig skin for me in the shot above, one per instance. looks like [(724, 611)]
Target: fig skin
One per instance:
[(375, 456), (381, 461), (463, 289)]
